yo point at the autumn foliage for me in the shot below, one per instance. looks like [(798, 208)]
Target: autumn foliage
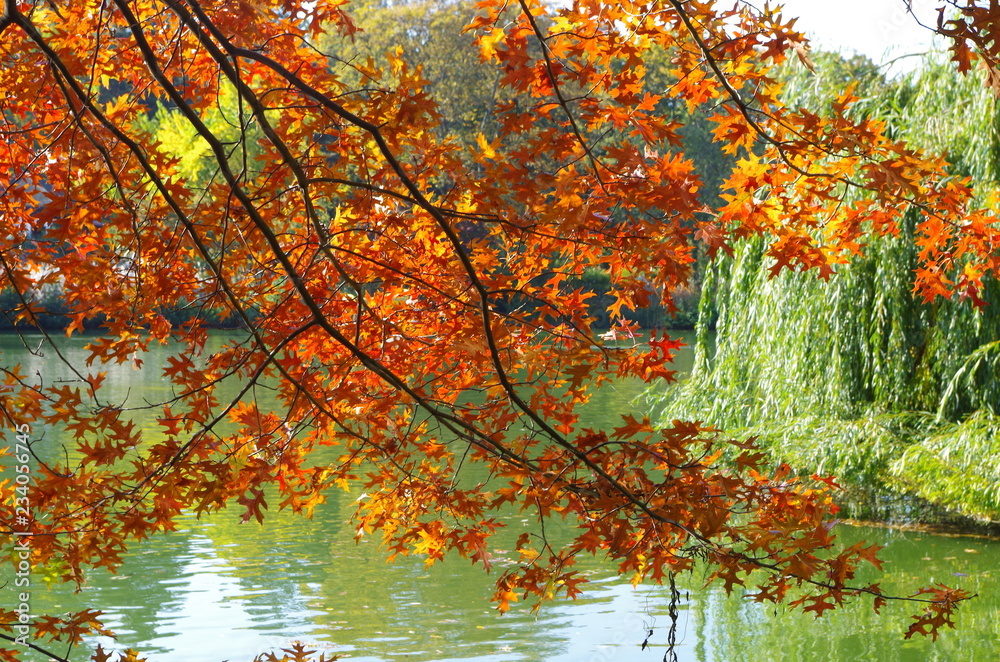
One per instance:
[(408, 300)]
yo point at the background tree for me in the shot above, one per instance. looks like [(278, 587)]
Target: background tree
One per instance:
[(430, 37), (381, 332), (854, 376)]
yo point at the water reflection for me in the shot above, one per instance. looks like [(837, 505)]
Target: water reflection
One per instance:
[(223, 590), (217, 589), (738, 631)]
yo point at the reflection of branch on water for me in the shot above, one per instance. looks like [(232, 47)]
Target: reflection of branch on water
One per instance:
[(675, 596)]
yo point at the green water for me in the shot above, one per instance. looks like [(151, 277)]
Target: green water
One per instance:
[(217, 589)]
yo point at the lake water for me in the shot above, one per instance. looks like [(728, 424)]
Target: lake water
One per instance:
[(217, 589)]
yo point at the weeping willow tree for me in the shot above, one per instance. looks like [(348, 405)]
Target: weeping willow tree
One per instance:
[(853, 376)]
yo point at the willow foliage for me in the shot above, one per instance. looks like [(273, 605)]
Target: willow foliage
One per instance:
[(853, 376)]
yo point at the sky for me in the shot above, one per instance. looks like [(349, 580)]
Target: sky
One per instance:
[(880, 29)]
